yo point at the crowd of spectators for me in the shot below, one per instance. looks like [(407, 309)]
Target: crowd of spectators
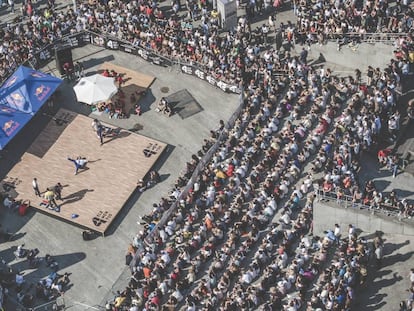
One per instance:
[(141, 23), (370, 116), (222, 249), (340, 278), (144, 23), (318, 20), (15, 288)]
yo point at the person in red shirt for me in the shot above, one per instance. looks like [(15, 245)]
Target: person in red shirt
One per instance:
[(322, 127), (68, 69), (230, 170), (119, 80), (156, 301), (327, 187), (383, 156), (29, 9)]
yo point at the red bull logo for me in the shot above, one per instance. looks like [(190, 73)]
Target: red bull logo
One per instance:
[(9, 127), (16, 96), (36, 74), (17, 100), (41, 92), (6, 109), (11, 81)]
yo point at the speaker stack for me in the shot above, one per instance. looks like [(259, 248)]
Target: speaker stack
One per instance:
[(63, 55)]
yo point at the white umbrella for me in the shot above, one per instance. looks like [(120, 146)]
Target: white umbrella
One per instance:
[(95, 89)]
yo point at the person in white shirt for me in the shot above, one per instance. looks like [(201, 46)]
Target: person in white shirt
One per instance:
[(351, 232), (246, 278), (337, 233), (35, 186), (285, 219)]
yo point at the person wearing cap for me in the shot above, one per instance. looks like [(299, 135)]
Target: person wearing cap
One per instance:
[(95, 124)]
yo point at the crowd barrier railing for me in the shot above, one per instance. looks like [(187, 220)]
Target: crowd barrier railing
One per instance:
[(346, 201), (374, 37), (82, 38)]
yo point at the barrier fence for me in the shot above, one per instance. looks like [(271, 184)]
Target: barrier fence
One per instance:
[(79, 39), (375, 37), (347, 201)]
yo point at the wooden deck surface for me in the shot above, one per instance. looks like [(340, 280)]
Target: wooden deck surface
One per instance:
[(96, 194), (135, 82)]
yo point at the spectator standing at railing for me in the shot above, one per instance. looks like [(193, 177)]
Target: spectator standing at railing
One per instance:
[(11, 4)]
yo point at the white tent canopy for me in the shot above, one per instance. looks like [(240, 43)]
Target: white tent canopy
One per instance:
[(94, 89)]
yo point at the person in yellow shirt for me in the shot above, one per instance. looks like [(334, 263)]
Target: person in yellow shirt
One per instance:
[(119, 301), (220, 174), (47, 14), (50, 198)]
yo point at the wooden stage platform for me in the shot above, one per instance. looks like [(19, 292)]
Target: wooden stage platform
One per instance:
[(135, 82), (96, 194)]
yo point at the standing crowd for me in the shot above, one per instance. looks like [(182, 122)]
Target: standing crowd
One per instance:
[(222, 248), (144, 23)]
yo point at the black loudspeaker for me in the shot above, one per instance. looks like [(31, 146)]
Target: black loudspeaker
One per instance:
[(63, 55)]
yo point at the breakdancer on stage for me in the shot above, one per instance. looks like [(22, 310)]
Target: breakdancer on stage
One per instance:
[(80, 163)]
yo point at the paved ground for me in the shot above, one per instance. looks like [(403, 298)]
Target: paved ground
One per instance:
[(89, 262), (97, 266)]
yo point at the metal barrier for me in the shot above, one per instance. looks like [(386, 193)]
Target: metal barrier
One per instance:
[(51, 305), (347, 201), (65, 304), (45, 54), (375, 37)]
